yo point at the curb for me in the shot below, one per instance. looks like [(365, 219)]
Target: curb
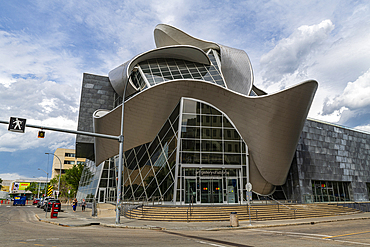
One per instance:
[(157, 228), (285, 224)]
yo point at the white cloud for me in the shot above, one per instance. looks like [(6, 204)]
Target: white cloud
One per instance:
[(10, 176), (364, 128), (355, 96), (291, 54)]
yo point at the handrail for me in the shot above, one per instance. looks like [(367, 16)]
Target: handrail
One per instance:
[(189, 209), (280, 203), (294, 212)]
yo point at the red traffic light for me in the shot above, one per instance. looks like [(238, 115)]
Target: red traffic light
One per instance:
[(41, 134)]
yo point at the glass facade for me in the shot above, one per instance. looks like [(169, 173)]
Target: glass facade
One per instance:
[(204, 162), (89, 181), (330, 191), (159, 70)]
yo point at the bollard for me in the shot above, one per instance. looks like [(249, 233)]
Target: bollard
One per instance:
[(234, 222)]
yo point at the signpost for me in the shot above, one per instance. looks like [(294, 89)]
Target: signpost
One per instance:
[(248, 187), (19, 125)]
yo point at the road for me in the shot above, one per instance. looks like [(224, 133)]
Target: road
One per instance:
[(19, 227)]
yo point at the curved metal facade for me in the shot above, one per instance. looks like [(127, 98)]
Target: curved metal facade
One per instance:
[(269, 124)]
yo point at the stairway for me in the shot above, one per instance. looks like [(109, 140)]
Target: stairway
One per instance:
[(222, 213)]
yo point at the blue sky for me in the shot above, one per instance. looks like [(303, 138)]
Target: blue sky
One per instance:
[(46, 46)]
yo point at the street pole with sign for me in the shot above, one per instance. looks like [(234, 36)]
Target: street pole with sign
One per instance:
[(248, 187)]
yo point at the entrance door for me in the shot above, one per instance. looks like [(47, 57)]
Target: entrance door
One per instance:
[(211, 190), (190, 190), (232, 188), (101, 198), (112, 195)]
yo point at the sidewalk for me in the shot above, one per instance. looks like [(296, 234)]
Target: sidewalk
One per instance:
[(68, 218)]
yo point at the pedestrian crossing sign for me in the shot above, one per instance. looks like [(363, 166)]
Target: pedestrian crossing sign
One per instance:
[(17, 124)]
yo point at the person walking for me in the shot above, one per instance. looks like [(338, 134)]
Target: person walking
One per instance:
[(83, 205), (74, 204)]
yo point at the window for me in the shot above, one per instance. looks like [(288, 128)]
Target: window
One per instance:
[(69, 162), (331, 191), (69, 155)]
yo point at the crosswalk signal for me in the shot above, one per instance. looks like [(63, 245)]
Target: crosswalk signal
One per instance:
[(41, 134)]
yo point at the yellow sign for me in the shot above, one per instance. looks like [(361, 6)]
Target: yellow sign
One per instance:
[(20, 185)]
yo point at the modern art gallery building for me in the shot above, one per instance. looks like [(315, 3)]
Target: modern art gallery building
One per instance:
[(196, 129)]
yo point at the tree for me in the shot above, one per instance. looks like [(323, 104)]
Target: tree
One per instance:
[(73, 176), (34, 188), (0, 183), (64, 186)]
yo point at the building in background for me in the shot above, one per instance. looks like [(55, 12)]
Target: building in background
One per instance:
[(18, 187), (66, 158), (197, 129)]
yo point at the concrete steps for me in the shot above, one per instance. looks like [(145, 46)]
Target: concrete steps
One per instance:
[(222, 213)]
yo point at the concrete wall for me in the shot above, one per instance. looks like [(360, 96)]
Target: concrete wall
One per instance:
[(97, 93), (330, 153)]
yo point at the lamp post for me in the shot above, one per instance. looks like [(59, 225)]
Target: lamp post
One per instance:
[(46, 188), (60, 162), (47, 176)]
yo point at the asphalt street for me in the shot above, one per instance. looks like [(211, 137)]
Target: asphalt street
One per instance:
[(20, 227)]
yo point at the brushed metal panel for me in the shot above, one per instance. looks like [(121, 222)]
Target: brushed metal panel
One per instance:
[(269, 124)]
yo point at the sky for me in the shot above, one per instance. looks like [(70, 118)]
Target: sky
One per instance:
[(46, 46)]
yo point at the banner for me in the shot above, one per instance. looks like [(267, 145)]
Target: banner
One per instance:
[(20, 185)]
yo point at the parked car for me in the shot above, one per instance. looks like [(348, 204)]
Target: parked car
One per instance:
[(49, 204), (43, 203), (35, 201)]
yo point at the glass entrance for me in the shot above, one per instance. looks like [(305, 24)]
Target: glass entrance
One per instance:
[(232, 189), (101, 198), (190, 191), (211, 190)]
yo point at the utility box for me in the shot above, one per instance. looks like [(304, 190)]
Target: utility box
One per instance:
[(55, 208), (19, 200)]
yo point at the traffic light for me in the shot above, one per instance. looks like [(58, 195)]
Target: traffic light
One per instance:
[(41, 134)]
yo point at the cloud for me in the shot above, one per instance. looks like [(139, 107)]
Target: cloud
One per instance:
[(10, 176), (291, 54), (38, 82), (355, 96)]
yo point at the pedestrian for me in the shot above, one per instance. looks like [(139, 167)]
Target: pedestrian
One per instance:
[(83, 205), (74, 204)]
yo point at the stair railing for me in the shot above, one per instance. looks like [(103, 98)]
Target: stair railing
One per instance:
[(278, 203), (189, 210)]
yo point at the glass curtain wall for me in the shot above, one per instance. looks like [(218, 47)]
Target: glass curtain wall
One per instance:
[(331, 191), (212, 156), (148, 172), (204, 162), (89, 181)]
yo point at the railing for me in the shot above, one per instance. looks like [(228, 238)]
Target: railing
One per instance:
[(189, 210), (279, 203), (128, 206)]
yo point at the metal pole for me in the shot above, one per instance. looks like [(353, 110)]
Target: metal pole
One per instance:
[(38, 192), (68, 131), (120, 162), (46, 187), (60, 162)]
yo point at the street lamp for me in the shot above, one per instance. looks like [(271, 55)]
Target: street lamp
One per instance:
[(47, 176), (46, 187), (60, 162)]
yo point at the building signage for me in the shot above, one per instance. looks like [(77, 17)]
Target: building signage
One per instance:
[(212, 172)]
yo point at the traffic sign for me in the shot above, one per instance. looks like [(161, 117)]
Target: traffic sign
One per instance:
[(17, 124), (249, 196), (248, 186)]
